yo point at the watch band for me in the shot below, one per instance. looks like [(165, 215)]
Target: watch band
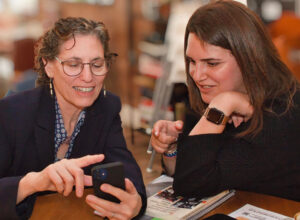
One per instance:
[(215, 116)]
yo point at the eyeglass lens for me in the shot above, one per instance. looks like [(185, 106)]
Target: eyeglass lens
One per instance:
[(75, 67)]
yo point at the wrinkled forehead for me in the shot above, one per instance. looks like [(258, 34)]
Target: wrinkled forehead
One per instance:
[(74, 39), (82, 45)]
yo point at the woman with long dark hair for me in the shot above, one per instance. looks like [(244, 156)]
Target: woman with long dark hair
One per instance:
[(247, 107)]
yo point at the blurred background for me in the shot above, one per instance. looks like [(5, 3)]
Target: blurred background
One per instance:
[(147, 35), (149, 73)]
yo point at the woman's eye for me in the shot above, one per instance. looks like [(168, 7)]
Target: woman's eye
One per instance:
[(191, 61), (212, 63), (97, 65), (73, 64)]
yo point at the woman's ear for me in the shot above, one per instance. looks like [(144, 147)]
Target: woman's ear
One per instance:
[(48, 68)]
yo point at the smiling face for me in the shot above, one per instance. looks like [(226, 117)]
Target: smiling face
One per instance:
[(213, 69), (77, 92)]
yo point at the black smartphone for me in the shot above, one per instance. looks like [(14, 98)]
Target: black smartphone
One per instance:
[(219, 216), (111, 173)]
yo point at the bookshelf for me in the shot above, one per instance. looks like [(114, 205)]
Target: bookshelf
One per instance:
[(151, 51), (173, 69)]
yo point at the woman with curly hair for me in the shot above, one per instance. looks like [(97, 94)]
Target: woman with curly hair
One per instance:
[(51, 136)]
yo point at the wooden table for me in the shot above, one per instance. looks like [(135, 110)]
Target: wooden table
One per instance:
[(56, 206), (271, 203)]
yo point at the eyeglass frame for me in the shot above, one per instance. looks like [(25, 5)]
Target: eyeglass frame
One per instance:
[(82, 67)]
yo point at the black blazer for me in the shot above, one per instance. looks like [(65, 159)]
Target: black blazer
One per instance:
[(27, 143)]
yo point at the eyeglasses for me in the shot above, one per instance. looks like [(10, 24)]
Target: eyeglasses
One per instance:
[(74, 67)]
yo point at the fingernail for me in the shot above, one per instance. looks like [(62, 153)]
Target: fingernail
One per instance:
[(156, 133), (98, 213), (79, 192), (88, 198), (103, 187)]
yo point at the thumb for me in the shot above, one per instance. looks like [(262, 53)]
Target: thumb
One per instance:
[(179, 125), (130, 188)]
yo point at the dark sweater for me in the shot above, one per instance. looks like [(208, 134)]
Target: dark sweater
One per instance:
[(269, 163)]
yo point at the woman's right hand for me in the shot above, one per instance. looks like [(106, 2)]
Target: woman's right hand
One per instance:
[(60, 176), (165, 133), (234, 104)]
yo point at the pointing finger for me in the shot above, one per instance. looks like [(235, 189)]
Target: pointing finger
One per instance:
[(89, 159), (158, 126)]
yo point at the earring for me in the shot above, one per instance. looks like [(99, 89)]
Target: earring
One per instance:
[(104, 91), (51, 87)]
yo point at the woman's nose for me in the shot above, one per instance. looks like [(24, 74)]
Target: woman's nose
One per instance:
[(200, 72), (86, 74)]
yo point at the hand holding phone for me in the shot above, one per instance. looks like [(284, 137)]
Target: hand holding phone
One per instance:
[(111, 173)]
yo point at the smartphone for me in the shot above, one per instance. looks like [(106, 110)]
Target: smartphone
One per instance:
[(219, 216), (111, 173)]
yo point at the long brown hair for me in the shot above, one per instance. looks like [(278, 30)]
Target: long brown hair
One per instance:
[(64, 29), (232, 26)]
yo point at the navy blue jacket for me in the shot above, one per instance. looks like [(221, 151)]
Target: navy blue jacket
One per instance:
[(27, 122)]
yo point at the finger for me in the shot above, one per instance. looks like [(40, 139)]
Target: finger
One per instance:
[(157, 127), (56, 180), (115, 191), (103, 206), (158, 141), (88, 160), (129, 186), (236, 120), (98, 213), (160, 149), (179, 125), (68, 179), (159, 146), (87, 180), (241, 119), (166, 139), (129, 200), (236, 124), (93, 201), (77, 174)]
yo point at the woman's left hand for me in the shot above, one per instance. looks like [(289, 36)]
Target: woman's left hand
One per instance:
[(128, 208)]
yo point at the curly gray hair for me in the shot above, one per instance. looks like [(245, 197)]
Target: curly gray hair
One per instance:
[(48, 45)]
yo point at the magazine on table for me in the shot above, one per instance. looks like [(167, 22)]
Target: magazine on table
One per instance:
[(164, 205)]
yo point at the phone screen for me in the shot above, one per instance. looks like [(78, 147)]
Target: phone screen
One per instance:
[(111, 173)]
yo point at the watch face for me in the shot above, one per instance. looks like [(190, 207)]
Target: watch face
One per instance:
[(215, 116)]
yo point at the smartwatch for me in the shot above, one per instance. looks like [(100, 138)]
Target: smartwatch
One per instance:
[(215, 116)]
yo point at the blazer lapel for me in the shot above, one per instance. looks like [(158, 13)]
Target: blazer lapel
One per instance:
[(90, 131), (44, 130)]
